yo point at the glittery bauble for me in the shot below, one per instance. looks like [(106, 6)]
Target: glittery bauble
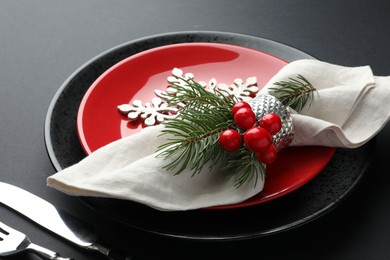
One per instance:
[(265, 104)]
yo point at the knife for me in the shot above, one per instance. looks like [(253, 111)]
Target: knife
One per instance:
[(56, 220)]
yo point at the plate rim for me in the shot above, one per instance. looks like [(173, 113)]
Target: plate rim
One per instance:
[(56, 164)]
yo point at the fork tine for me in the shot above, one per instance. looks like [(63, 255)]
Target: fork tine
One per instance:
[(13, 241), (5, 229), (2, 230), (10, 239)]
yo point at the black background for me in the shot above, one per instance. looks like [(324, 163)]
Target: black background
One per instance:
[(43, 42)]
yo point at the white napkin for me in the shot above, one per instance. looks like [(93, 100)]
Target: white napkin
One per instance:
[(351, 107)]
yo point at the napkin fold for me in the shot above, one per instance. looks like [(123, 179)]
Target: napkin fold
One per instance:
[(351, 107)]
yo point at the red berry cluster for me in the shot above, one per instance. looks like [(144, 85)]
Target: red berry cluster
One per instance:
[(257, 135)]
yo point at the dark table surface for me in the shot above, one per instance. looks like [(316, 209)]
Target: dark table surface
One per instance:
[(43, 42)]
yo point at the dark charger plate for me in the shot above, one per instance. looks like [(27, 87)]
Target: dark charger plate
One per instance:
[(307, 203)]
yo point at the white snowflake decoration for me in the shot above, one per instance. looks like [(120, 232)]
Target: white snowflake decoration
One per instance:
[(152, 113), (158, 110), (243, 91)]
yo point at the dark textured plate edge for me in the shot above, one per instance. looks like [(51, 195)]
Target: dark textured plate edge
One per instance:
[(58, 167)]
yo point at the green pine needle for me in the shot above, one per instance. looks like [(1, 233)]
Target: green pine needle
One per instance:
[(245, 167), (194, 135), (295, 93)]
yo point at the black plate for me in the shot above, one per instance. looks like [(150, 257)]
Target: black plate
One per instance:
[(301, 206)]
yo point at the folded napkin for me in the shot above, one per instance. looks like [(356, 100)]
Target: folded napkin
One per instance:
[(350, 107)]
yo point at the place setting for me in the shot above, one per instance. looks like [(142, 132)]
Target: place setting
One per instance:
[(213, 136)]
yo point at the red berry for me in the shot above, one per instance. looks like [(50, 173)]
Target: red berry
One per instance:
[(239, 105), (245, 118), (257, 139), (230, 140), (267, 157), (271, 122)]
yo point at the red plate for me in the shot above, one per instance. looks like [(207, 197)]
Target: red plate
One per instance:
[(99, 122)]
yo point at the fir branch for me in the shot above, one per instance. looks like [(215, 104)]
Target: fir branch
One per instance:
[(194, 135), (295, 93), (246, 167)]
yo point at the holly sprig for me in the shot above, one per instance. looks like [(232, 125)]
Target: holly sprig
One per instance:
[(194, 133)]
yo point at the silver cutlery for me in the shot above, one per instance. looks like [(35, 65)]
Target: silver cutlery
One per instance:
[(57, 220), (14, 242)]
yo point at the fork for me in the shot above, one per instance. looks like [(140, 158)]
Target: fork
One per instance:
[(14, 242)]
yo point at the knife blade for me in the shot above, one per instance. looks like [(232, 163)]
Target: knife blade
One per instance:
[(56, 220)]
